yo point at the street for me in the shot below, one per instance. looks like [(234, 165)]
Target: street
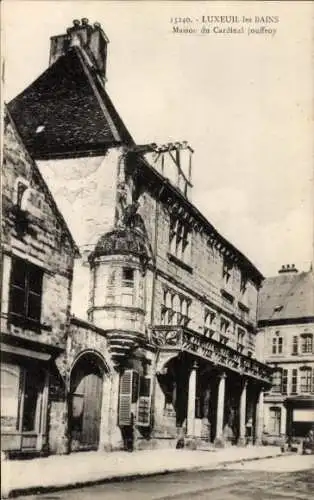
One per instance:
[(290, 477)]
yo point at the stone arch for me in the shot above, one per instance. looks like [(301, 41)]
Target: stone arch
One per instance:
[(164, 360), (88, 377), (172, 379), (103, 362)]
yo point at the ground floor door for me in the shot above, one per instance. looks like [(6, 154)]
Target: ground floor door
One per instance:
[(86, 400)]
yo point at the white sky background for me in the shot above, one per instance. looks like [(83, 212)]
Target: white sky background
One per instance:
[(244, 103)]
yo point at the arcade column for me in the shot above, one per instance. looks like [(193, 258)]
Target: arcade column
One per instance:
[(259, 421), (242, 423), (220, 409), (191, 401)]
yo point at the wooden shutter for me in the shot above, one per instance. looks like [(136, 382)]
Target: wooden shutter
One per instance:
[(144, 402), (125, 398)]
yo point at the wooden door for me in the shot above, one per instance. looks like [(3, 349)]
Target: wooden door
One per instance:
[(86, 411), (92, 410)]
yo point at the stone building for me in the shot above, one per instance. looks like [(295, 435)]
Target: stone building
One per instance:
[(286, 327), (37, 256), (165, 351)]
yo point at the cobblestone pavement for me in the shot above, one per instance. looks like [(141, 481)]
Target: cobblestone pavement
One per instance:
[(274, 479)]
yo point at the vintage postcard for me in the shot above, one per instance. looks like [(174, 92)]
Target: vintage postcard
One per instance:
[(157, 250)]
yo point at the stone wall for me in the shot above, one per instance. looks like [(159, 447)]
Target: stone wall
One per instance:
[(85, 191), (34, 230), (84, 336), (45, 242), (202, 283)]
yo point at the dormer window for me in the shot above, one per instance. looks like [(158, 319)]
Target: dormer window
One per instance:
[(278, 308)]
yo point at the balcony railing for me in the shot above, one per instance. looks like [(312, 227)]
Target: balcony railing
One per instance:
[(211, 350)]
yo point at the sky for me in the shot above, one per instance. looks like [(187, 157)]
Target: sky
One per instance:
[(243, 102)]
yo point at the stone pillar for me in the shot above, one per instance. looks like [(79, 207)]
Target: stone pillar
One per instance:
[(105, 424), (191, 401), (220, 409), (259, 419), (114, 432), (283, 421), (289, 422), (42, 440), (242, 422)]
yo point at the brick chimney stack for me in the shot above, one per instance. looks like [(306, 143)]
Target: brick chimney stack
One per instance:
[(92, 41)]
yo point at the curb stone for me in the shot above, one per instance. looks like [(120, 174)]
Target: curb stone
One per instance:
[(36, 490)]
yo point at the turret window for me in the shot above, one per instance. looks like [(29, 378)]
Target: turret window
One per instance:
[(128, 289), (127, 277)]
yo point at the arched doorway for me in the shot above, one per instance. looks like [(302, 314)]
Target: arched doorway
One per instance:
[(86, 385)]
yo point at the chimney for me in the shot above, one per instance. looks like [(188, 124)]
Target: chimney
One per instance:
[(92, 41), (288, 269)]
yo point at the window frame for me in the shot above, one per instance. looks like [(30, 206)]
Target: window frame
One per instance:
[(29, 293), (307, 343), (180, 239), (294, 381), (277, 344), (306, 380), (277, 381)]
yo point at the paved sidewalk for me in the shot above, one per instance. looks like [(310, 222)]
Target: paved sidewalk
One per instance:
[(85, 468)]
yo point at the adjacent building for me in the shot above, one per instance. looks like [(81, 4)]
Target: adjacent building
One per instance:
[(162, 347), (37, 258), (286, 323)]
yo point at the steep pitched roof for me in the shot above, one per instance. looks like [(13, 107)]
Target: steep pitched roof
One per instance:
[(67, 111), (7, 153), (288, 296)]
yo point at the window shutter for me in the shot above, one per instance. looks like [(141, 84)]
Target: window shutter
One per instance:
[(295, 345), (125, 398), (144, 402)]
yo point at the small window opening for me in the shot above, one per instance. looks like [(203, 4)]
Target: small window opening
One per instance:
[(128, 276)]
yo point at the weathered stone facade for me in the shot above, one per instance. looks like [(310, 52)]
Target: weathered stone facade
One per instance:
[(168, 352), (37, 264)]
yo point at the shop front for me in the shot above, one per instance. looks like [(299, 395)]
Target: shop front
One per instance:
[(25, 370), (300, 415)]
